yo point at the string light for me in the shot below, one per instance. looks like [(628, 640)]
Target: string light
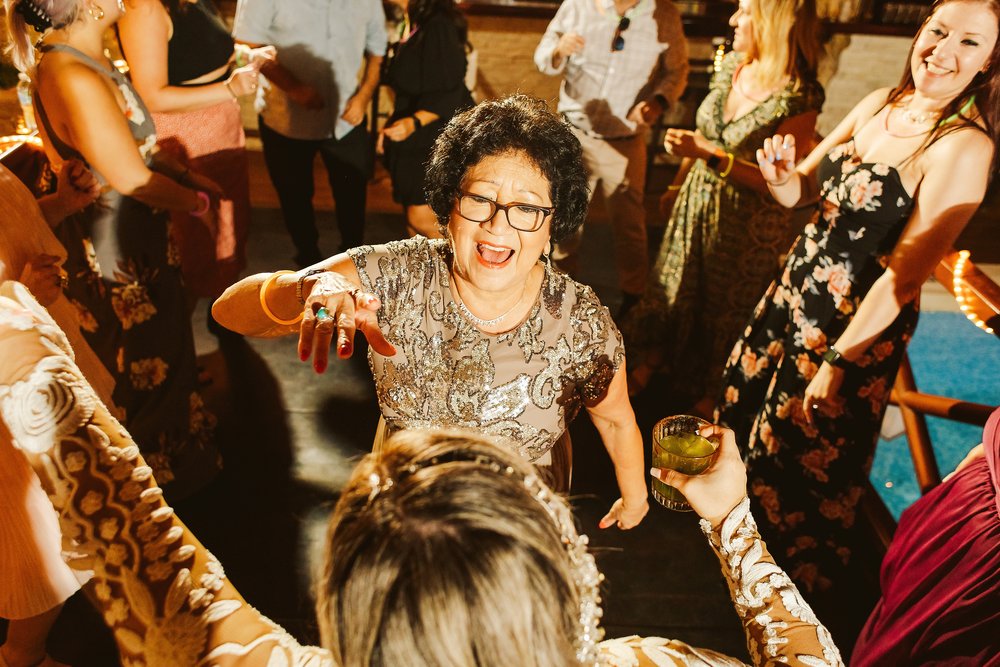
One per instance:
[(963, 294)]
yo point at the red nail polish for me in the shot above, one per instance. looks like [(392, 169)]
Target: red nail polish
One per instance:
[(303, 355), (320, 367)]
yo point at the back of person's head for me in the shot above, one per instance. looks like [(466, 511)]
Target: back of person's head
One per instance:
[(421, 11), (517, 124), (786, 40), (443, 551), (26, 17)]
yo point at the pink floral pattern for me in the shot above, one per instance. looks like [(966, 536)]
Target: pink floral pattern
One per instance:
[(807, 479)]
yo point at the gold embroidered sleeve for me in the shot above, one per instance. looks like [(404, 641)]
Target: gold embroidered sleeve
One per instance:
[(780, 626)]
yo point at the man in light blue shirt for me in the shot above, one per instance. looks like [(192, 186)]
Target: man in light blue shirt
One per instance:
[(311, 101)]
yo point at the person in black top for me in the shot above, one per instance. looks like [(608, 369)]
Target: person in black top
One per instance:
[(426, 71), (187, 68)]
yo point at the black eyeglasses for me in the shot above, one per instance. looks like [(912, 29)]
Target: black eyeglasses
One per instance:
[(618, 43), (523, 217)]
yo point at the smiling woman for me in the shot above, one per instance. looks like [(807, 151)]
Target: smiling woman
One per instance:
[(894, 183), (475, 330)]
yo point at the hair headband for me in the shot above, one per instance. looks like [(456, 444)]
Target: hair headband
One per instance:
[(586, 576)]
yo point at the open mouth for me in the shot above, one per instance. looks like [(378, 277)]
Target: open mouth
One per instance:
[(493, 256)]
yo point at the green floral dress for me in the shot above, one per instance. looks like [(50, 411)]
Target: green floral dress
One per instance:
[(721, 248)]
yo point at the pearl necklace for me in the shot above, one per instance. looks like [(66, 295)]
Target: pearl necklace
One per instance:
[(480, 322), (915, 118)]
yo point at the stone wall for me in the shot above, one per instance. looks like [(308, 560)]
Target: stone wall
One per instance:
[(858, 65), (855, 64)]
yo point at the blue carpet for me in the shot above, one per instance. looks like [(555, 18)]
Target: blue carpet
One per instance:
[(950, 357)]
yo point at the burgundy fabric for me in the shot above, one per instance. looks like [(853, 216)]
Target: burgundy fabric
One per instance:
[(941, 576)]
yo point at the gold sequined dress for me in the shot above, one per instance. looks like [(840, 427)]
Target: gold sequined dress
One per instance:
[(524, 385)]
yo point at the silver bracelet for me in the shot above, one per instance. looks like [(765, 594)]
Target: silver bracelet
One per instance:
[(299, 284)]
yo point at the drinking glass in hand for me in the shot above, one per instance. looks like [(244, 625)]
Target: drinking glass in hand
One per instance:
[(678, 446)]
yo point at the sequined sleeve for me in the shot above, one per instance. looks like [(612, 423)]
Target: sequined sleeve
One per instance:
[(780, 626), (597, 343), (397, 272)]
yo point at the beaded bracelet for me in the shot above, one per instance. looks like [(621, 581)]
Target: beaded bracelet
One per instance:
[(263, 300)]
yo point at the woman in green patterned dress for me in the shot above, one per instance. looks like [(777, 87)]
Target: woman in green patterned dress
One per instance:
[(724, 239)]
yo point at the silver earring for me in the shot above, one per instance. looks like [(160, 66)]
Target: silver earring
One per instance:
[(121, 6), (96, 11)]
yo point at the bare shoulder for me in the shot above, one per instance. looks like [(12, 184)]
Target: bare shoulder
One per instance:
[(872, 103), (960, 147), (62, 76)]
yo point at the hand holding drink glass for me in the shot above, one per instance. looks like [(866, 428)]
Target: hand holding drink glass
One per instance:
[(696, 465)]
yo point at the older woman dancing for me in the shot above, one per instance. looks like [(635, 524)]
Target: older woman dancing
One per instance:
[(477, 329)]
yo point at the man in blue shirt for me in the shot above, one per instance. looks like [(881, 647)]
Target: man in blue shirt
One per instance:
[(311, 100)]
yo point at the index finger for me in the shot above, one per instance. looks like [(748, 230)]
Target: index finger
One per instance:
[(366, 321), (807, 408), (726, 437)]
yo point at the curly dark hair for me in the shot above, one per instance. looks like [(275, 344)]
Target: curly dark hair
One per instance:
[(421, 11), (517, 123)]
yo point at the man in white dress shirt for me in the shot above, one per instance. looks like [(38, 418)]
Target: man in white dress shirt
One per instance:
[(623, 62)]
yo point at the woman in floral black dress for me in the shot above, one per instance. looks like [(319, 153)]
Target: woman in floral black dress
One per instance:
[(808, 383)]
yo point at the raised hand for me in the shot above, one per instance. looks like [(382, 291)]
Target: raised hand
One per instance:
[(685, 143), (43, 276), (570, 44), (335, 309), (76, 187), (243, 81), (777, 159), (714, 493)]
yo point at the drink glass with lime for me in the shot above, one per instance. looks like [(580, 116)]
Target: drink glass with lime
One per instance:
[(677, 445)]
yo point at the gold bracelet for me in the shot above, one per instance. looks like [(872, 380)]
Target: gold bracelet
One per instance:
[(729, 167), (263, 300), (673, 188)]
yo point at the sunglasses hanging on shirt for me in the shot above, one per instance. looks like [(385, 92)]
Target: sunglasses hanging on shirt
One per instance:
[(618, 43)]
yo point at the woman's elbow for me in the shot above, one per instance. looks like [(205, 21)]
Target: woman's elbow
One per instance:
[(904, 288), (131, 184)]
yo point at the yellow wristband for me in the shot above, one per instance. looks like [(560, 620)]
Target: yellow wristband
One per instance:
[(729, 167), (263, 300)]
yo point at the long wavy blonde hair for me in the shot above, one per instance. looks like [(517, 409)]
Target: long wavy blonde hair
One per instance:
[(786, 41)]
